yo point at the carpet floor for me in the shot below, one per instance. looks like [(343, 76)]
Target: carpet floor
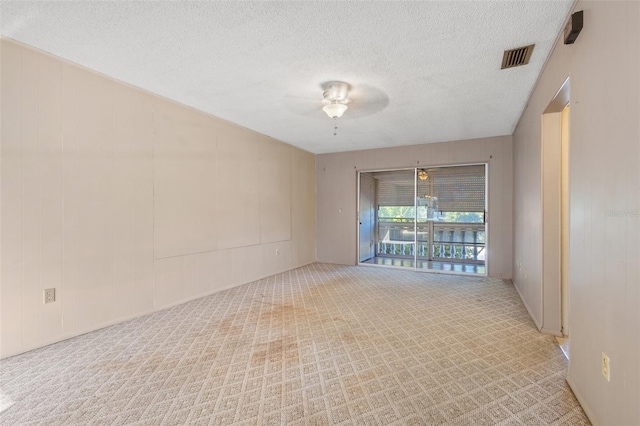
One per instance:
[(318, 345)]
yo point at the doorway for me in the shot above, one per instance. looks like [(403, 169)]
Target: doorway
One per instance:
[(564, 223), (555, 215), (430, 219), (564, 230)]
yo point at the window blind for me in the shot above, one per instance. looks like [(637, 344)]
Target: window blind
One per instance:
[(448, 189), (395, 188), (457, 189)]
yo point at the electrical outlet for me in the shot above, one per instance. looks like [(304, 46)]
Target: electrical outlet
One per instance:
[(606, 367), (49, 295), (277, 252)]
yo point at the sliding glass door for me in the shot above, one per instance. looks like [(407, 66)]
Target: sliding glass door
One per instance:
[(426, 218), (395, 217), (366, 217)]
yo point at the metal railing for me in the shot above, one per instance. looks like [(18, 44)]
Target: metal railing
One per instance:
[(462, 242)]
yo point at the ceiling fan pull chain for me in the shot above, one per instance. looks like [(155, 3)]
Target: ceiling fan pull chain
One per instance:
[(335, 128)]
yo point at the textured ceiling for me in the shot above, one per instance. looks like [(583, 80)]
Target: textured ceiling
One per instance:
[(424, 71)]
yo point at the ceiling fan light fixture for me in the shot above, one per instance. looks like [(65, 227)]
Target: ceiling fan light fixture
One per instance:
[(335, 109), (335, 97)]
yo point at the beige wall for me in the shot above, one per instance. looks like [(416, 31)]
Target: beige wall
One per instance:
[(604, 276), (336, 185), (127, 203)]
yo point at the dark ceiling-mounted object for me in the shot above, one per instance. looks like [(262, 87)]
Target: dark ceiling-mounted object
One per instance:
[(573, 28)]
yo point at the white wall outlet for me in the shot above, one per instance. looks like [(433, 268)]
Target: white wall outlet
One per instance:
[(277, 252), (606, 367), (49, 295)]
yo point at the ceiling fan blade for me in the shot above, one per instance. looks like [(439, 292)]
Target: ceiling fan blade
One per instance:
[(366, 100), (303, 105)]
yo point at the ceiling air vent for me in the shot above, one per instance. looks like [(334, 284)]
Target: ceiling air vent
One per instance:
[(516, 57)]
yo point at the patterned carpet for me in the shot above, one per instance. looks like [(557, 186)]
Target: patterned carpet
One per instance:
[(322, 344)]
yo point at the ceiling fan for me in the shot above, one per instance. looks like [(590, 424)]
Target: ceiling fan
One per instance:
[(335, 98)]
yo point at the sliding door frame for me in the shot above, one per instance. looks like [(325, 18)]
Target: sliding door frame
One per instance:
[(415, 216)]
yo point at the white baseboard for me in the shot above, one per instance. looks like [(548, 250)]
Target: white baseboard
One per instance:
[(552, 332), (585, 407), (77, 333), (526, 306)]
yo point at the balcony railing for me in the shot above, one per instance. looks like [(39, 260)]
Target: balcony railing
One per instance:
[(461, 242)]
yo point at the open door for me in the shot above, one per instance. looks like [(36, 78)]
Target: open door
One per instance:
[(366, 217)]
